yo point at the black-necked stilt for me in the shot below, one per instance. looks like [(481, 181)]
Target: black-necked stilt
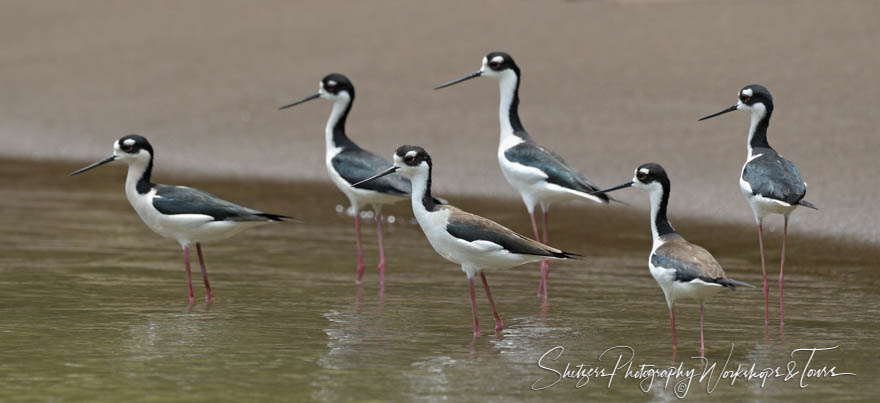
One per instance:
[(540, 175), (347, 163), (178, 212), (682, 269), (474, 242), (770, 183)]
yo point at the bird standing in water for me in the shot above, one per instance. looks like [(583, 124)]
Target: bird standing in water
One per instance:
[(474, 242), (682, 269), (184, 214), (770, 183), (540, 175)]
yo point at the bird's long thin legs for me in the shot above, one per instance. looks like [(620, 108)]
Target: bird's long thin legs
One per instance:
[(542, 286), (379, 219), (702, 342), (474, 307), (209, 295), (764, 271), (672, 321), (781, 272), (189, 283), (498, 324), (357, 231)]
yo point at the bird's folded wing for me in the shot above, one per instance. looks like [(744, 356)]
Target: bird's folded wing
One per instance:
[(357, 165), (172, 200), (775, 177), (688, 260), (473, 228), (554, 166)]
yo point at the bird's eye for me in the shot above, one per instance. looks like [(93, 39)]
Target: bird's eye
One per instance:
[(744, 98), (641, 176), (494, 65), (127, 147), (409, 159)]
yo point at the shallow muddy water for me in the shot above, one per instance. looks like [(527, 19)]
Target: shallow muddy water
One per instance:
[(93, 306)]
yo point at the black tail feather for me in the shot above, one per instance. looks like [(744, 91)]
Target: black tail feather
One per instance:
[(807, 204), (733, 283), (283, 218)]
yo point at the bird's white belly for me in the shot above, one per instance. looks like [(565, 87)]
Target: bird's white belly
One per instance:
[(359, 198)]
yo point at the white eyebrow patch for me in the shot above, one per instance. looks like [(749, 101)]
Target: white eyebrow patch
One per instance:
[(411, 154), (747, 92), (128, 142), (331, 82), (498, 59), (644, 171)]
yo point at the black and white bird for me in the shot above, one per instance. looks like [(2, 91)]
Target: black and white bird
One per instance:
[(540, 175), (186, 215), (682, 269), (474, 242), (770, 183), (347, 163)]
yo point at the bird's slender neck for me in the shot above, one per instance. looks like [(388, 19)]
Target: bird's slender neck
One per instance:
[(508, 107), (760, 120), (659, 199), (335, 130), (138, 178), (421, 191)]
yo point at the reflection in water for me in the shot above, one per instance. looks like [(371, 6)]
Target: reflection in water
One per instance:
[(90, 308)]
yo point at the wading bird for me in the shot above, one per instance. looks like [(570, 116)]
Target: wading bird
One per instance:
[(347, 164), (682, 269), (541, 176), (474, 242), (770, 183), (186, 215)]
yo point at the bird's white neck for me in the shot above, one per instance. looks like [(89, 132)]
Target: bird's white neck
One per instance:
[(334, 132), (421, 188), (137, 181), (508, 110)]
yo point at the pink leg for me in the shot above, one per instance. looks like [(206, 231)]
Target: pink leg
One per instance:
[(498, 324), (209, 295), (702, 342), (764, 270), (541, 285), (672, 320), (781, 269), (379, 218), (357, 230), (545, 265), (189, 282), (474, 308)]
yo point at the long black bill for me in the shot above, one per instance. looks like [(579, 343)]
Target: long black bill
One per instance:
[(304, 100), (465, 78), (731, 109), (388, 171), (95, 165), (623, 186)]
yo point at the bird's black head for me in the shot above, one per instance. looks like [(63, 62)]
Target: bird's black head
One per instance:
[(498, 62), (335, 83), (133, 144), (753, 94), (649, 173), (408, 156), (754, 98), (131, 149)]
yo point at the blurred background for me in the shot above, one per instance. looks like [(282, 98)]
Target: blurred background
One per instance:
[(608, 84)]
